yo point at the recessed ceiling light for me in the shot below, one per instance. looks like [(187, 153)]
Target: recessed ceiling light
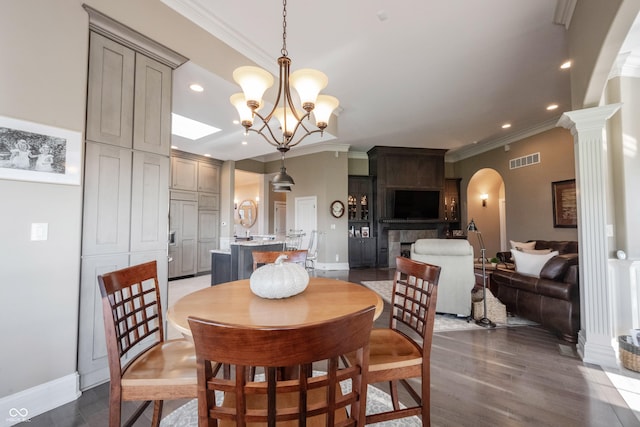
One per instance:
[(552, 107), (191, 129), (506, 126), (207, 155), (236, 122), (566, 65), (174, 147), (244, 142), (196, 87)]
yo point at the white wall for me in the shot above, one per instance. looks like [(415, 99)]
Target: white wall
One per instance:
[(43, 79)]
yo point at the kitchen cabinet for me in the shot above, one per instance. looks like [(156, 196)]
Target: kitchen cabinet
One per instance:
[(126, 172), (199, 177), (362, 252)]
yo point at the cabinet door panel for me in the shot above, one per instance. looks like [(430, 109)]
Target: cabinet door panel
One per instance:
[(184, 174), (208, 201), (369, 252), (150, 202), (152, 108), (107, 198), (188, 257), (208, 177), (184, 228), (204, 255), (110, 92), (208, 225), (92, 348)]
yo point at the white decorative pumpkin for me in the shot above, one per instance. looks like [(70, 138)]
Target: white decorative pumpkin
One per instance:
[(279, 280)]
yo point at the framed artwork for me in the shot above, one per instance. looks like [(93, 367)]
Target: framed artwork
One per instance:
[(35, 152), (337, 208), (565, 208)]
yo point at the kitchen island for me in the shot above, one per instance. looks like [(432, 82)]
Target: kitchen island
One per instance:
[(237, 262)]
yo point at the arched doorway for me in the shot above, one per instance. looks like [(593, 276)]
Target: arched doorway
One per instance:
[(486, 206)]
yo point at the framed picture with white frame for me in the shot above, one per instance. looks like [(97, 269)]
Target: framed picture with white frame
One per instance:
[(36, 152)]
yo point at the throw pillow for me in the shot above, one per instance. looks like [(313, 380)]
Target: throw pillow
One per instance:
[(522, 245), (531, 263)]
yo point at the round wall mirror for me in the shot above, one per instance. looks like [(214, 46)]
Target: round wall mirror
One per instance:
[(247, 213)]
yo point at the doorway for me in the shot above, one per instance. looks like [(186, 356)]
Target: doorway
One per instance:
[(280, 219), (486, 206), (306, 217)]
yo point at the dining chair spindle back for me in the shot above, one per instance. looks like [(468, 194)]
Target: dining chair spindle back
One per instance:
[(142, 364), (403, 350), (268, 257), (306, 398)]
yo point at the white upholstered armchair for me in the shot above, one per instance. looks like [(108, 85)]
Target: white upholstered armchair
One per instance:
[(455, 257)]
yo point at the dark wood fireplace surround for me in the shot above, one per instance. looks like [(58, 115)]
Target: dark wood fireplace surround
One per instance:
[(393, 169)]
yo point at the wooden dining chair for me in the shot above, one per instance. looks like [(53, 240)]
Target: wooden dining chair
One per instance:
[(309, 397), (268, 257), (142, 365), (403, 350)]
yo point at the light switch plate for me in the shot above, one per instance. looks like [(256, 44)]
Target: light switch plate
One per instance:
[(39, 231)]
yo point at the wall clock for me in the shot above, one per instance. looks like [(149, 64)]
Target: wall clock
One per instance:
[(337, 208)]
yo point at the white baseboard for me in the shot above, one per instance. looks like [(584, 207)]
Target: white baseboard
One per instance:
[(332, 265), (26, 404)]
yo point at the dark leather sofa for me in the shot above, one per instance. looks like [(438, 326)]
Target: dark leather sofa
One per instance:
[(553, 299)]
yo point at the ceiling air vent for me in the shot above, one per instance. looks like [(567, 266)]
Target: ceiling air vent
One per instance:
[(523, 161)]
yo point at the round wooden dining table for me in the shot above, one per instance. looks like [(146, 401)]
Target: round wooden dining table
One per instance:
[(234, 303)]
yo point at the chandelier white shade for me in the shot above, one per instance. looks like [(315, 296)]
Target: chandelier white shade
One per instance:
[(254, 81), (308, 83), (325, 105)]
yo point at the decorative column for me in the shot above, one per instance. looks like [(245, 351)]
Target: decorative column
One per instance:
[(596, 339)]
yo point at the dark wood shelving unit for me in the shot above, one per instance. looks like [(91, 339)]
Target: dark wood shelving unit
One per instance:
[(362, 249)]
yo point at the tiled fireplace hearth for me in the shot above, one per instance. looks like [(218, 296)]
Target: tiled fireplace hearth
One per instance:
[(400, 238)]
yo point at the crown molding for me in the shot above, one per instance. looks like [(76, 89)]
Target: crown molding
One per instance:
[(475, 149), (199, 12), (114, 30), (564, 12)]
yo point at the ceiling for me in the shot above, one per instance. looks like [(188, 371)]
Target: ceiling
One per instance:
[(414, 73)]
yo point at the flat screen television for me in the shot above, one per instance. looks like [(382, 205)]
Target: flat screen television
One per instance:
[(416, 204)]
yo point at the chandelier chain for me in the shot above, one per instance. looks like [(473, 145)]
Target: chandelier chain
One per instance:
[(284, 29)]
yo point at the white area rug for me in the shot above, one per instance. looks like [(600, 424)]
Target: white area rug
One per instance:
[(377, 401), (444, 322)]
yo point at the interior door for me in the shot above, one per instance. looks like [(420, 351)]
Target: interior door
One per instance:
[(280, 219), (306, 215)]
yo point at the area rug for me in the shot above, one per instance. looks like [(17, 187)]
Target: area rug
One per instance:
[(377, 401), (443, 322)]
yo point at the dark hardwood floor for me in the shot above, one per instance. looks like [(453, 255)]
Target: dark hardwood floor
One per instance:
[(504, 377)]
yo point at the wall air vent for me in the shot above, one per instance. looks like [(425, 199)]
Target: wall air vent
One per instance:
[(528, 160)]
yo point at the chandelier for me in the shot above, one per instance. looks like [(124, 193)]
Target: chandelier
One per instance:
[(308, 83)]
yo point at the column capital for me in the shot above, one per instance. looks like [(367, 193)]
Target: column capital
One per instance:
[(588, 119)]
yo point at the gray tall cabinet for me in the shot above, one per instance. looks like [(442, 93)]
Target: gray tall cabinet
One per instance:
[(126, 171), (194, 214)]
